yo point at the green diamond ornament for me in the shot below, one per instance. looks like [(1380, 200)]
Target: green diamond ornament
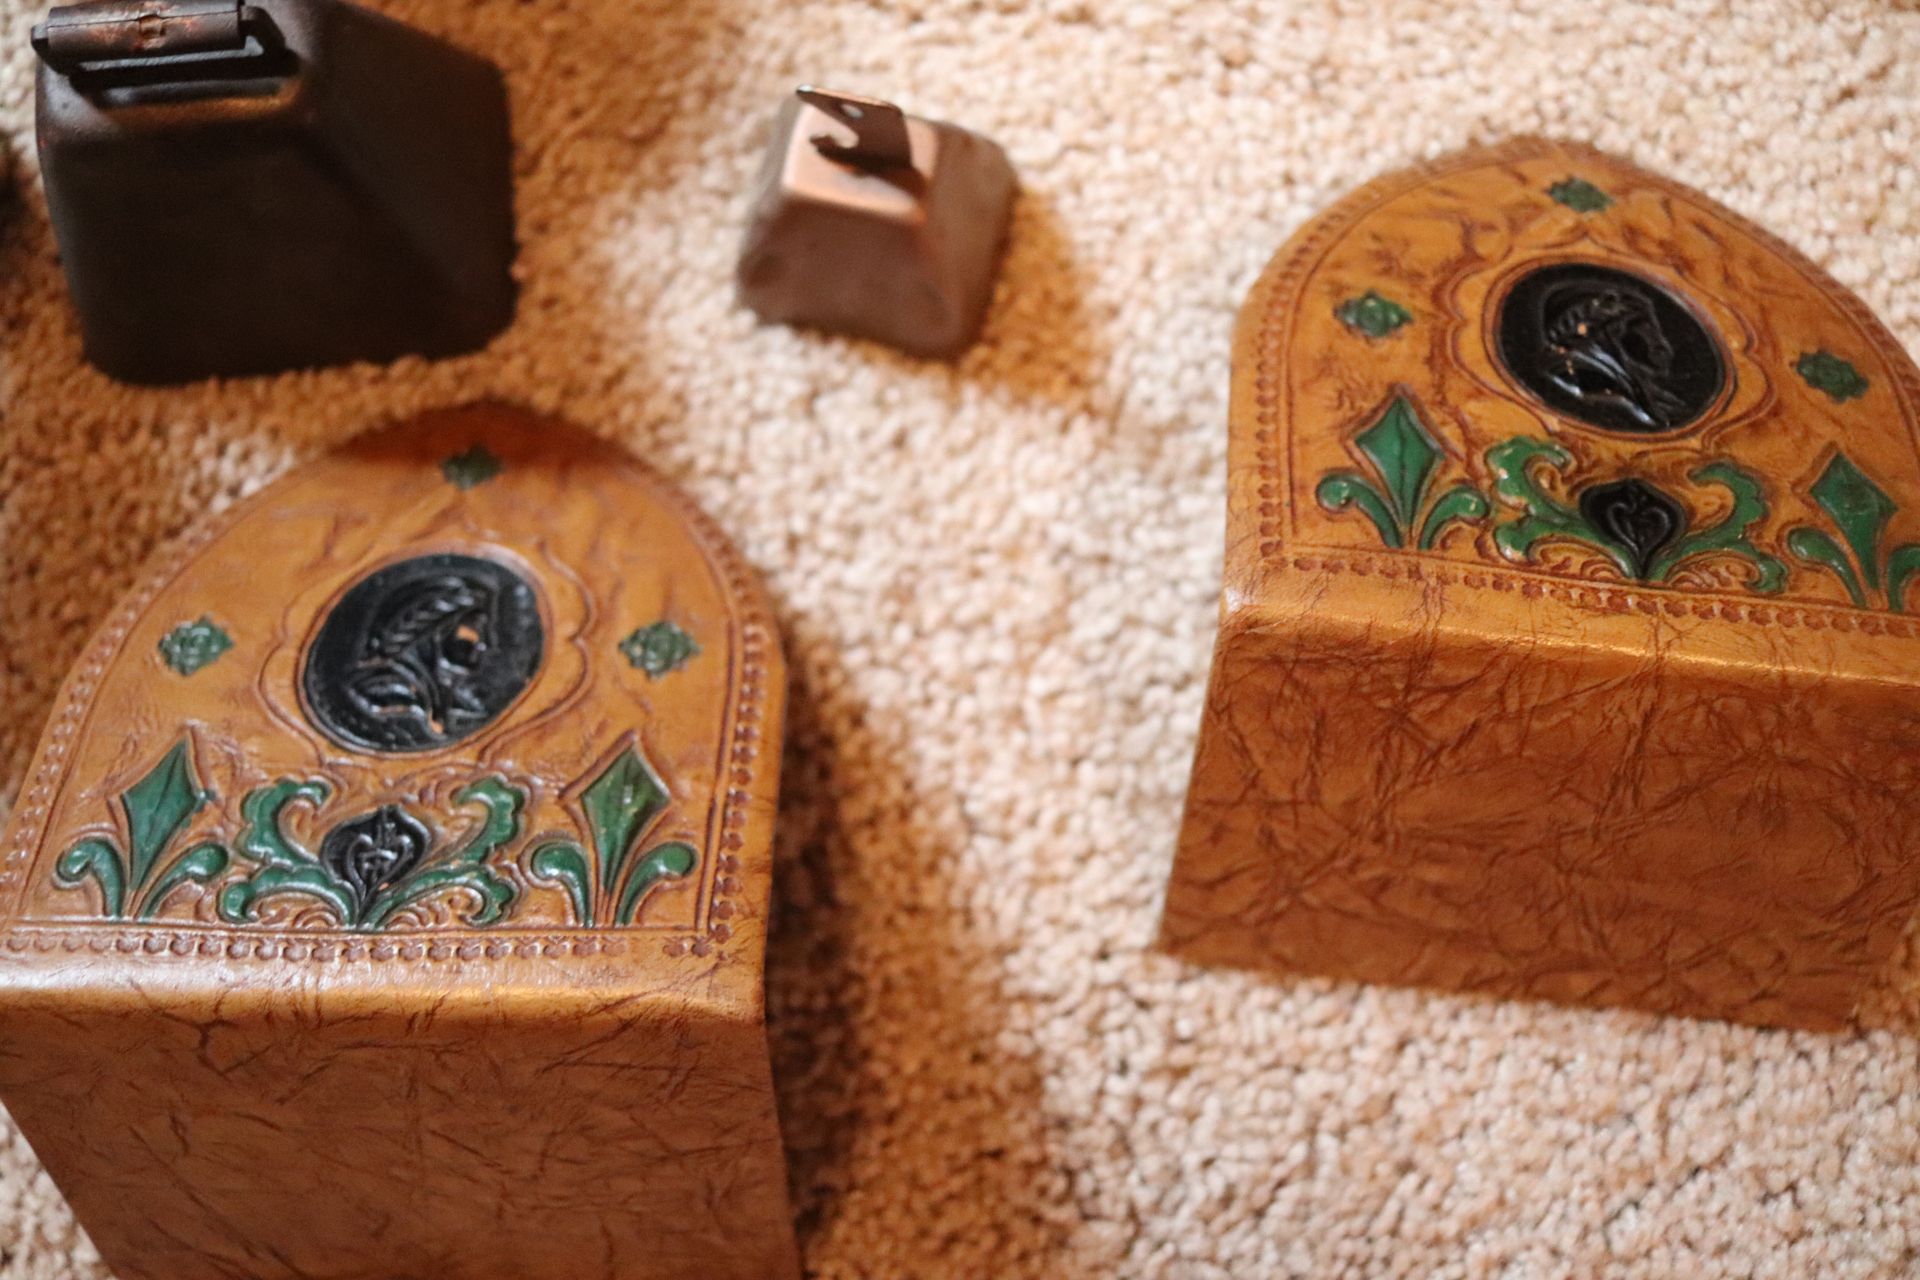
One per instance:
[(659, 649), (1824, 371), (1373, 315), (1580, 195), (192, 645), (472, 467)]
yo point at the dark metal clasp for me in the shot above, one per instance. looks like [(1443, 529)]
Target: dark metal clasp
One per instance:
[(142, 35), (879, 128)]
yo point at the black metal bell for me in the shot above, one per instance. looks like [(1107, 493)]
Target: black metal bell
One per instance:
[(247, 188)]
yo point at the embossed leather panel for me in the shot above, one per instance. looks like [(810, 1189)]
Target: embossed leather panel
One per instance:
[(388, 894), (1564, 647)]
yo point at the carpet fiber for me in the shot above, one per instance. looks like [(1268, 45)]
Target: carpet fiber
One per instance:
[(997, 583)]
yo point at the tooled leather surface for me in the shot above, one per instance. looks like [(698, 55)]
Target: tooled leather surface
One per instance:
[(492, 1142), (535, 1097), (1515, 821), (605, 564), (1447, 769), (1448, 240)]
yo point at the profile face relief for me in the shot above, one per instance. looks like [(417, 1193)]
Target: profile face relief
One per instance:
[(1609, 348), (423, 653)]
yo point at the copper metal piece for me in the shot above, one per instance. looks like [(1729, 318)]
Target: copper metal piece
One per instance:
[(895, 236)]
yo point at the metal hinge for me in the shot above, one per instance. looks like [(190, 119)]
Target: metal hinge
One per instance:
[(136, 35)]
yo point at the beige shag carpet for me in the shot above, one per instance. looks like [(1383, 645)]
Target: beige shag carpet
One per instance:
[(997, 582)]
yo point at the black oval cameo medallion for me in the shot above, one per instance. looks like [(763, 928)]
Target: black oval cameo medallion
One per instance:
[(1606, 347), (423, 653)]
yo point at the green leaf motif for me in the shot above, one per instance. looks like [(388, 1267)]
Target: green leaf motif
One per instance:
[(98, 859), (192, 645), (262, 839), (199, 865), (240, 901), (1812, 546), (1859, 511), (618, 807), (157, 807), (1343, 489), (1462, 502), (1542, 515), (1580, 195), (1901, 566), (1824, 371), (282, 867), (1404, 456), (475, 466), (562, 863), (668, 862), (1372, 315), (1544, 518), (619, 804), (659, 649), (155, 810), (1859, 508), (1730, 536)]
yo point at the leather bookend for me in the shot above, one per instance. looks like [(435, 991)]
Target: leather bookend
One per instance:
[(1565, 647), (246, 188), (388, 894)]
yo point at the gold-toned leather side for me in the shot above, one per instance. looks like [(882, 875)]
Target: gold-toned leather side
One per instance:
[(1564, 647), (388, 893)]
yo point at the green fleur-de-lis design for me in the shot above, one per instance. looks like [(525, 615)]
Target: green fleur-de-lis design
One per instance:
[(1373, 315), (1404, 456), (1824, 371), (1642, 530), (658, 649), (374, 865), (192, 645), (617, 807), (474, 466), (1580, 195), (155, 810), (1860, 510)]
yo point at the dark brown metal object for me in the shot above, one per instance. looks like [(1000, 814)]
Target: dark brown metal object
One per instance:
[(248, 188), (894, 234)]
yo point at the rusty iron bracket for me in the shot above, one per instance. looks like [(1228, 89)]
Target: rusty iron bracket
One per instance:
[(142, 35)]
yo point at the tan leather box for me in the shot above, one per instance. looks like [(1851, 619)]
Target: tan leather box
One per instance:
[(1565, 648), (388, 895)]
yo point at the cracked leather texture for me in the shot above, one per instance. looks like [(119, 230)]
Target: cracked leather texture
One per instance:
[(532, 1097), (1532, 777)]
